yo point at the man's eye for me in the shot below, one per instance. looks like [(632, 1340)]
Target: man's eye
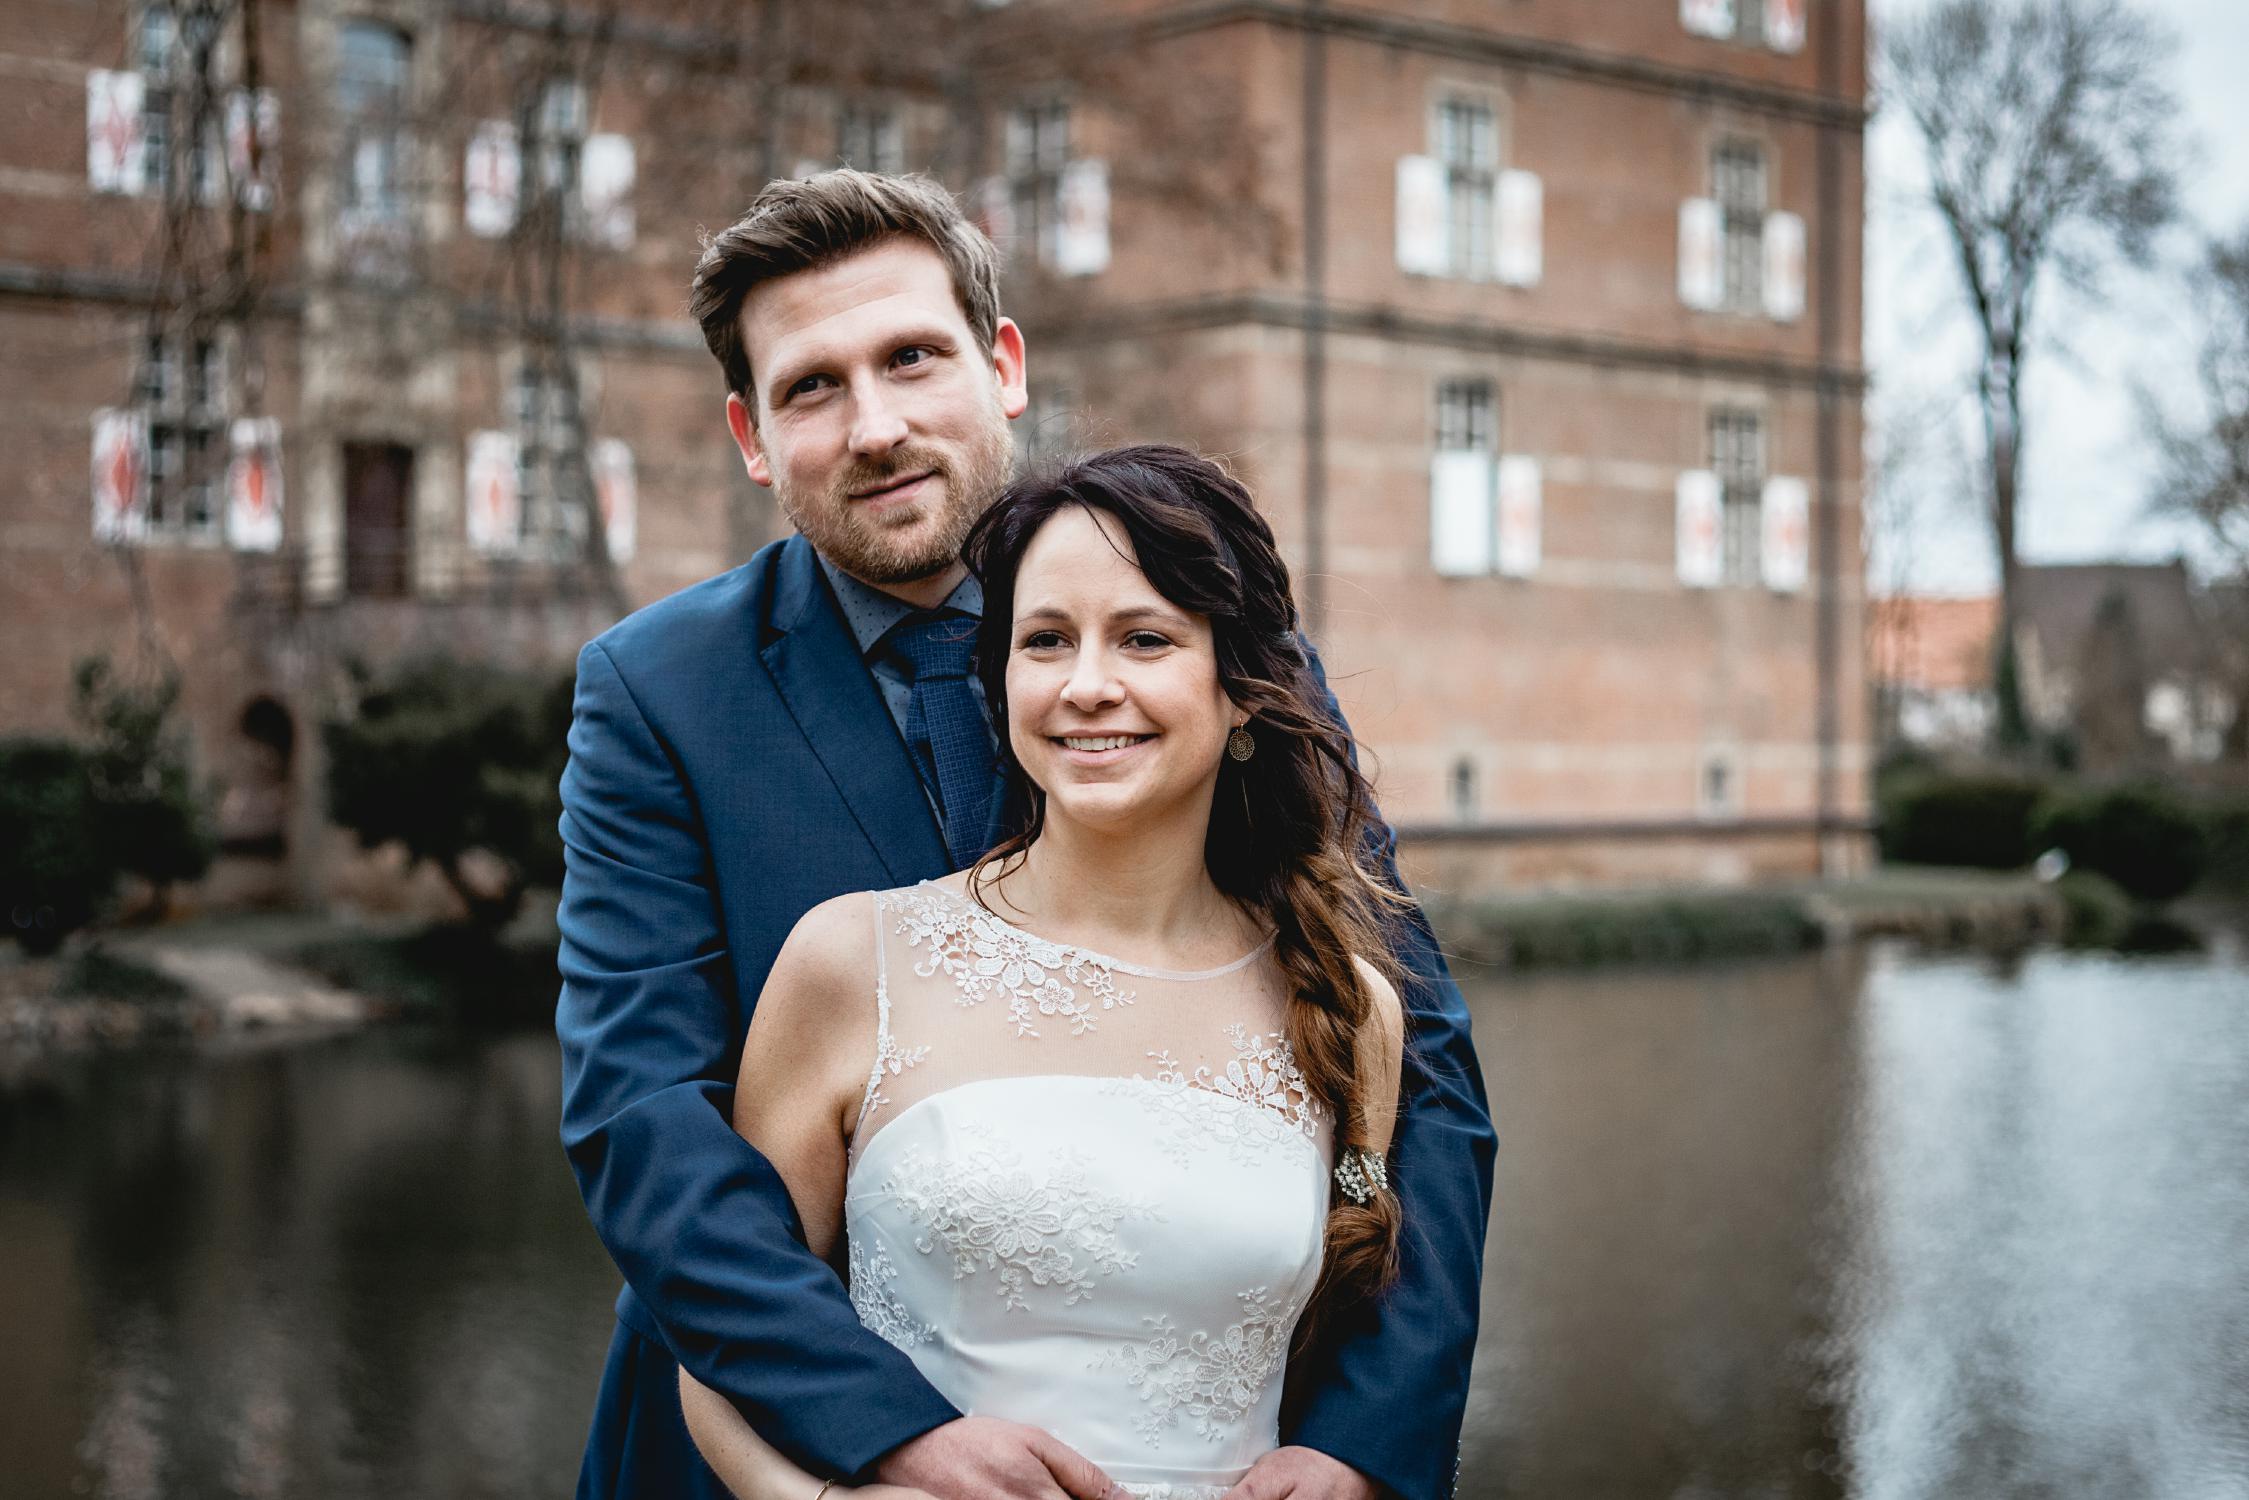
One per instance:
[(916, 354), (807, 385)]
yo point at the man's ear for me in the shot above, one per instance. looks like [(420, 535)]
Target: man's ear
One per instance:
[(745, 438), (1007, 363)]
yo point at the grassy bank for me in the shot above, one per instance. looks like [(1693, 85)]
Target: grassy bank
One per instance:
[(1685, 925)]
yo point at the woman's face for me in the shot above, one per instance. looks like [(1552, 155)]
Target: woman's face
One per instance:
[(1113, 703)]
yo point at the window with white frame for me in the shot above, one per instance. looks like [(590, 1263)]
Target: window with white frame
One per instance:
[(549, 458), (1737, 457), (371, 107), (1467, 135), (1467, 417), (181, 392), (1737, 173), (1463, 481), (1038, 148), (870, 137), (558, 139), (1718, 784)]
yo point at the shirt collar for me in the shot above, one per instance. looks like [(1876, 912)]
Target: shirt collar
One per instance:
[(872, 614)]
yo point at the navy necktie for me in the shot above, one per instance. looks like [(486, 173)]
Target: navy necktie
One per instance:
[(944, 715)]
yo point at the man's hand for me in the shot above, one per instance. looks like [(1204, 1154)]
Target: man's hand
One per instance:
[(983, 1458), (1302, 1474)]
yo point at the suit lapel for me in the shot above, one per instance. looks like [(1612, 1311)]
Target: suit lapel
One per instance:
[(825, 683)]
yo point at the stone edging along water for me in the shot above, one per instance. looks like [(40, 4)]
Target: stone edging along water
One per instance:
[(1680, 924)]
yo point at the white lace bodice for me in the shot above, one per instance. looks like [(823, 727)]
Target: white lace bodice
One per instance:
[(1085, 1194)]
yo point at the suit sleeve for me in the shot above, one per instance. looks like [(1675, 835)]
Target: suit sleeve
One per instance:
[(699, 1223), (1393, 1375)]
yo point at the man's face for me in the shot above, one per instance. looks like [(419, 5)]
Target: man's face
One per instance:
[(881, 426)]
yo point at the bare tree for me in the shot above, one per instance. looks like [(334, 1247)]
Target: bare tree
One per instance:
[(2049, 138), (2205, 475)]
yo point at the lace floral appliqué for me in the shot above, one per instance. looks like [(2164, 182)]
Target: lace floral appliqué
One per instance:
[(988, 1211), (983, 956), (1212, 1379), (879, 1306), (890, 1058), (1263, 1073)]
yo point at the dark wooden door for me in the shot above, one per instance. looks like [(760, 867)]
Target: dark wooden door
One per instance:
[(378, 518)]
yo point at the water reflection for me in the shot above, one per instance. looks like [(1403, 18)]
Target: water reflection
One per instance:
[(1878, 1226), (1652, 1320), (2048, 1292), (358, 1269)]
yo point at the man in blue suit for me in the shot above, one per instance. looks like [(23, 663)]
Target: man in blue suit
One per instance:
[(756, 744)]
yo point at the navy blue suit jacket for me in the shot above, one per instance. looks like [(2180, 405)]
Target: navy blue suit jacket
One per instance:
[(732, 766)]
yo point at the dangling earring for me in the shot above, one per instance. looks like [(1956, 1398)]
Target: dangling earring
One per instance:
[(1241, 744)]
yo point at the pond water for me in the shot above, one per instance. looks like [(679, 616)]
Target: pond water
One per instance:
[(1859, 1224)]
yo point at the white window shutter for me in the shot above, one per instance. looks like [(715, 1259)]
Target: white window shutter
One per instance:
[(1701, 270), (492, 180), (116, 151), (1081, 241), (493, 501), (1707, 17), (120, 474), (1522, 213), (605, 186), (253, 485), (1424, 227), (1784, 267), (1784, 25), (253, 147), (1701, 531), (1786, 534), (1519, 519), (618, 491), (1460, 513)]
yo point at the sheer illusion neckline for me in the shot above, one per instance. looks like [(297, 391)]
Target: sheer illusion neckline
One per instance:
[(1108, 961)]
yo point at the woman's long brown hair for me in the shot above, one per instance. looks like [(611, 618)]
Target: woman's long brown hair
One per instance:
[(1289, 828)]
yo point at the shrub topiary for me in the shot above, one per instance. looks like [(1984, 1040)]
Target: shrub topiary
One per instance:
[(2148, 840), (455, 758), (1980, 819)]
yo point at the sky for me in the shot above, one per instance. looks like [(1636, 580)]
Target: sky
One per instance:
[(2090, 465)]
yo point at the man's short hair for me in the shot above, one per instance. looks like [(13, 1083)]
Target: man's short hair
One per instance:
[(802, 224)]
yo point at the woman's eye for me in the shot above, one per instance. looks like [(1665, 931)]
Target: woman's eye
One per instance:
[(1041, 640), (1147, 640)]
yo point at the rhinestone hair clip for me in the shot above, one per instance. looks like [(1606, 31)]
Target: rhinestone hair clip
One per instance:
[(1361, 1174)]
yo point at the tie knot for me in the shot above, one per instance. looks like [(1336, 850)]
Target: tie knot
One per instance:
[(937, 646)]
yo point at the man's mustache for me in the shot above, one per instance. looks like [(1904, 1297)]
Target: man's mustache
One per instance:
[(870, 474)]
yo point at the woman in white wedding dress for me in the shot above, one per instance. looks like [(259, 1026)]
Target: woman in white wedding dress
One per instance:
[(1097, 1126)]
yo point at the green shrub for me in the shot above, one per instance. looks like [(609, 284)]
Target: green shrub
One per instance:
[(2226, 839), (2097, 911), (2151, 842), (154, 822), (56, 865), (1980, 819), (451, 758)]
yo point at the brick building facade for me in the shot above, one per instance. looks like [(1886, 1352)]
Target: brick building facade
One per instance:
[(1535, 327)]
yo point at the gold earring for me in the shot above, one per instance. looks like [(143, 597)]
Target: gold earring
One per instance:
[(1241, 744)]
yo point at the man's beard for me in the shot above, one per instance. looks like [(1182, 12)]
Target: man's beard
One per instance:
[(845, 532)]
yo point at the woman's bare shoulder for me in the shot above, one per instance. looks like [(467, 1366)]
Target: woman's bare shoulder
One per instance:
[(829, 957)]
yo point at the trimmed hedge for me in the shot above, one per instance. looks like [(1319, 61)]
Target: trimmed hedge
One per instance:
[(2150, 841), (1979, 819)]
